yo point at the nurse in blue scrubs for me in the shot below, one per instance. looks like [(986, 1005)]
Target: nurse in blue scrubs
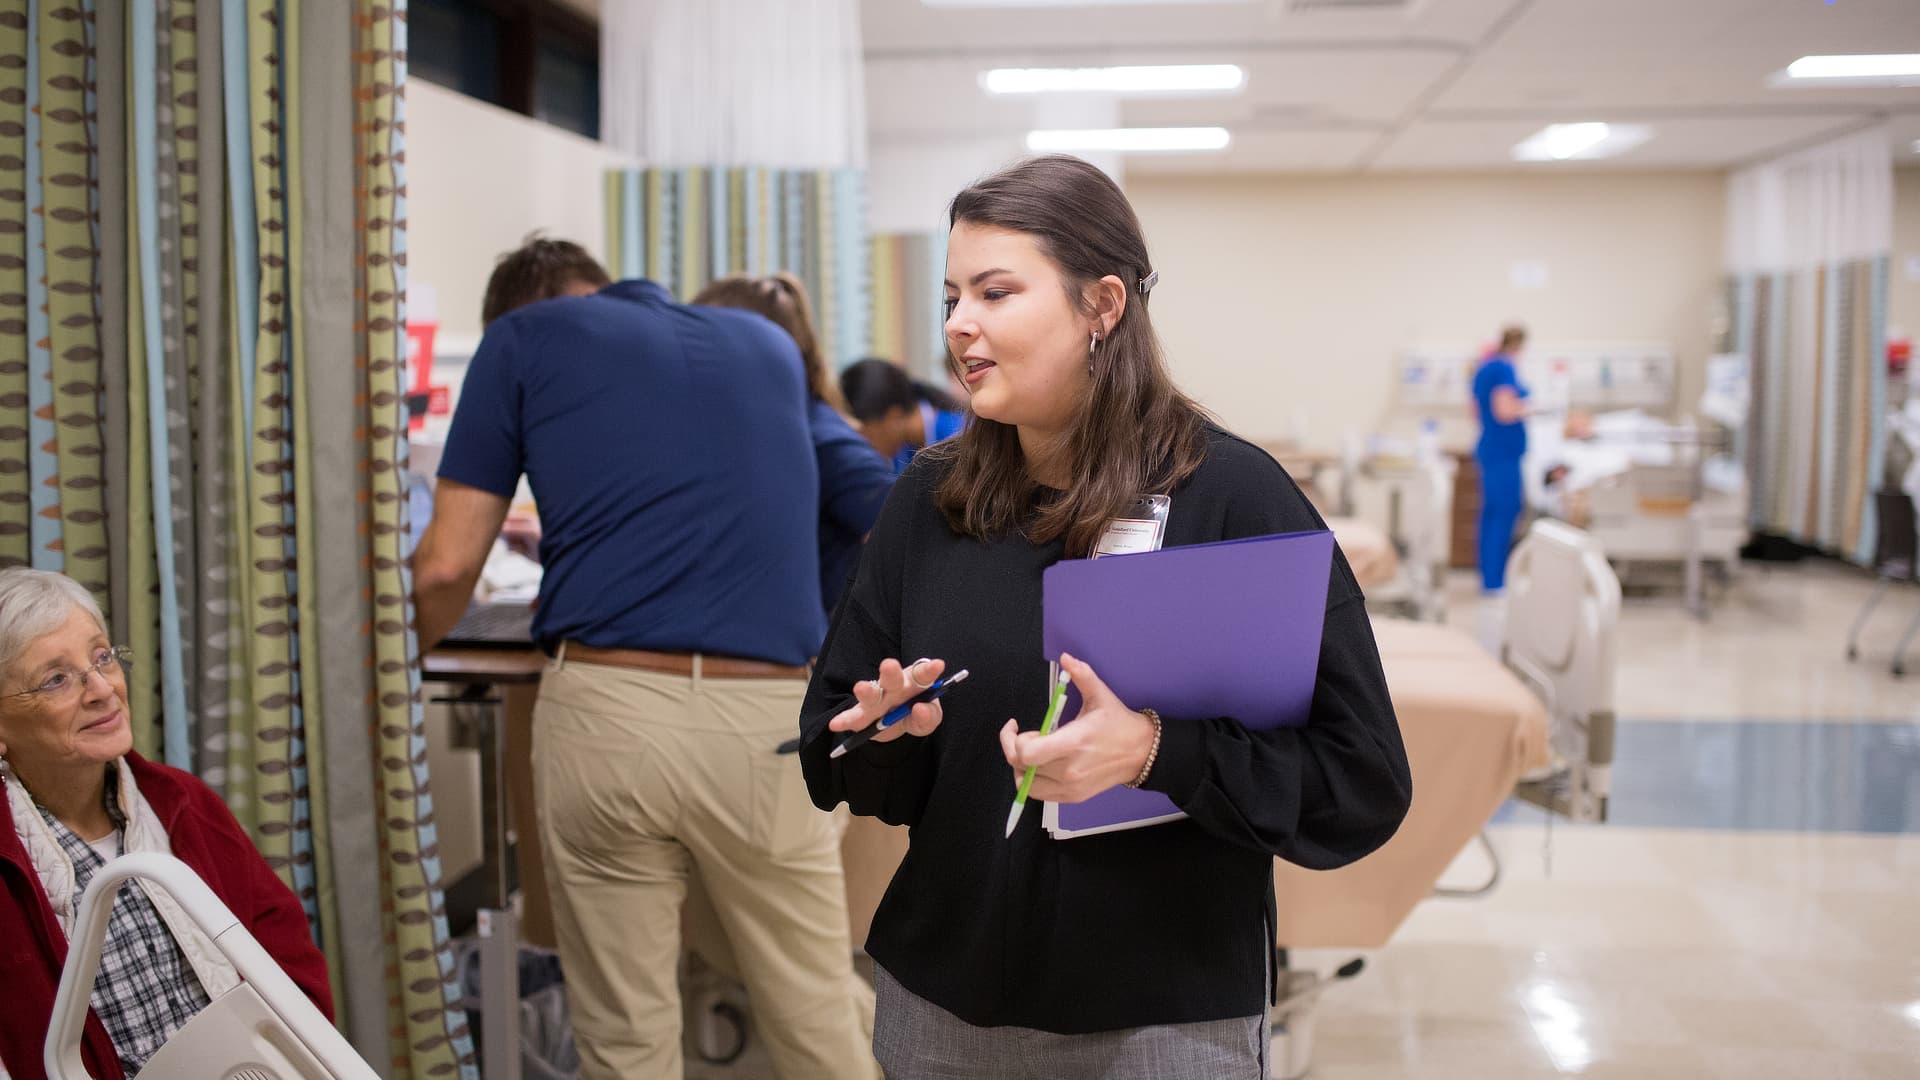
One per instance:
[(1502, 404)]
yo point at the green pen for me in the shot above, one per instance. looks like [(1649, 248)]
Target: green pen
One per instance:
[(1054, 705)]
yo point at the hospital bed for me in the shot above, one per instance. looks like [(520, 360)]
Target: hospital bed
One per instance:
[(1408, 502), (1656, 493), (1477, 730), (1370, 551), (1536, 724)]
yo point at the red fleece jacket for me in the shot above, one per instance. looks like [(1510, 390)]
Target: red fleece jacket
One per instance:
[(205, 836)]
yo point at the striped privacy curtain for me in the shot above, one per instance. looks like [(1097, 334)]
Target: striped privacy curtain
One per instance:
[(909, 322), (685, 228), (202, 249), (1816, 435), (1808, 238)]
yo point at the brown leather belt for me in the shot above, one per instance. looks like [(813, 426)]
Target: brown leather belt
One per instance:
[(673, 663)]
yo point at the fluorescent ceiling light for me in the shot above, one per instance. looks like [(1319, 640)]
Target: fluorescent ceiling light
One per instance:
[(1580, 142), (1156, 79), (1127, 140), (1894, 69), (1558, 142)]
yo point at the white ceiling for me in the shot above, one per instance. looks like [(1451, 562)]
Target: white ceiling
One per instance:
[(1441, 85)]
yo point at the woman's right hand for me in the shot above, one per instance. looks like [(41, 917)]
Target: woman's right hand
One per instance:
[(894, 684)]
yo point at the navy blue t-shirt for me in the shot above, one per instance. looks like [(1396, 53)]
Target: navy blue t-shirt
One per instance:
[(1497, 440), (668, 449), (854, 482)]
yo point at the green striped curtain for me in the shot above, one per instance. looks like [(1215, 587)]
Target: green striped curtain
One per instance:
[(1816, 433), (52, 510), (685, 228), (202, 250)]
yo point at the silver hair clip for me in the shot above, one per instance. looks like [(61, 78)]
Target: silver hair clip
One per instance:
[(1148, 282)]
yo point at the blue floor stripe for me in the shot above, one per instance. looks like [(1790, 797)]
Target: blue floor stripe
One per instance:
[(1797, 776)]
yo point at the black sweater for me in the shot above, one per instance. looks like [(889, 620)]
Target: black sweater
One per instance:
[(1164, 924)]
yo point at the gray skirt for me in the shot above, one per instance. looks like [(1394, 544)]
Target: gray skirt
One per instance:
[(914, 1039)]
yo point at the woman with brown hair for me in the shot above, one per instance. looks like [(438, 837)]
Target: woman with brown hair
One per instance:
[(1144, 953), (854, 478)]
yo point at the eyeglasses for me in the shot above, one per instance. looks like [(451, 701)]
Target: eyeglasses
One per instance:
[(61, 684)]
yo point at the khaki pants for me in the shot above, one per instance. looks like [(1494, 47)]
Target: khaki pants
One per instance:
[(706, 938), (643, 778)]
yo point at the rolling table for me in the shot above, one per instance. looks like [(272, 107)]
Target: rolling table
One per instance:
[(492, 690)]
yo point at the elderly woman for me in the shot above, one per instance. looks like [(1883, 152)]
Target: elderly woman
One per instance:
[(74, 795)]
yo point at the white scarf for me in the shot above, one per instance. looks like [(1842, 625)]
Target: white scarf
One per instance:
[(143, 833)]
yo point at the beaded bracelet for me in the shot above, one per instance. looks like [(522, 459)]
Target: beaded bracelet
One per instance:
[(1152, 751)]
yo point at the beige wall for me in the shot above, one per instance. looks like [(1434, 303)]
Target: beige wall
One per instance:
[(1285, 302), (479, 179), (1903, 292)]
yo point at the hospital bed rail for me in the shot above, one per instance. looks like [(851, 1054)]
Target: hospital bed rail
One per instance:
[(1563, 607)]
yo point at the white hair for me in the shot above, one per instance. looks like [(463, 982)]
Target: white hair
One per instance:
[(33, 603)]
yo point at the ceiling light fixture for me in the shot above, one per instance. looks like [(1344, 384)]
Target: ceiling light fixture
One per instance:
[(1153, 79), (1128, 140), (1879, 69), (1580, 142)]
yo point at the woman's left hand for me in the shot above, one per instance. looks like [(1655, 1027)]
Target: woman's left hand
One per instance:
[(1105, 746)]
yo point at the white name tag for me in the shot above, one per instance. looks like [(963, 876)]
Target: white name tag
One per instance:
[(1129, 536), (1142, 530)]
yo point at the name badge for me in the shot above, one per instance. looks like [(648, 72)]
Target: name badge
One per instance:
[(1142, 529)]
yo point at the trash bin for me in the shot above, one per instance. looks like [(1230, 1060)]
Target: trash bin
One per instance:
[(547, 1051)]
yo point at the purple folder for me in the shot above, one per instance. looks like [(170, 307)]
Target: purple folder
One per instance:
[(1205, 630)]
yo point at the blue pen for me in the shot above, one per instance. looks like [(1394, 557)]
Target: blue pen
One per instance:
[(898, 713)]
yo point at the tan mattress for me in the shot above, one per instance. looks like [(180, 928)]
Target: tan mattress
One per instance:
[(1471, 728)]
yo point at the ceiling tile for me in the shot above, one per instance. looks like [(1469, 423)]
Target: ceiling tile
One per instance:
[(1467, 78)]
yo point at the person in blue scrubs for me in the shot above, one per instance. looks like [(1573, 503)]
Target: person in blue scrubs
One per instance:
[(1502, 402), (854, 477)]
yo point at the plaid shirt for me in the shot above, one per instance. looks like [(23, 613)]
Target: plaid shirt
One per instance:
[(145, 990)]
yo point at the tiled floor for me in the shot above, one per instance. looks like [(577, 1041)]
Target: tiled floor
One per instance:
[(1752, 910), (1772, 648), (1817, 775), (1648, 953)]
